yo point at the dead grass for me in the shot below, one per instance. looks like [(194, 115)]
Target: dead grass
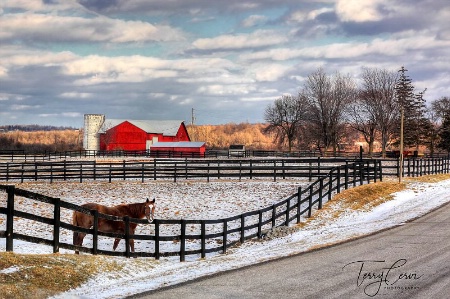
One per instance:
[(366, 197), (430, 178), (40, 276), (362, 198)]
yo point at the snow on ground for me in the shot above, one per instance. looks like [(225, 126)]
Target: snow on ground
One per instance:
[(195, 200)]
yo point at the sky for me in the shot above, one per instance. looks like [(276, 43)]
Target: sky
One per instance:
[(215, 61)]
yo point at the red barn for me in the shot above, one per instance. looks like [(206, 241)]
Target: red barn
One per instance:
[(139, 135)]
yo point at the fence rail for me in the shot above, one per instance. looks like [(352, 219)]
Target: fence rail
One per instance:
[(171, 169), (22, 156), (200, 237), (175, 169), (208, 236)]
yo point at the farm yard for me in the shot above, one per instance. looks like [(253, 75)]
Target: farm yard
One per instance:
[(193, 200), (198, 198)]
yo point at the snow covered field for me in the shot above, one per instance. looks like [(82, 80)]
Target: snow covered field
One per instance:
[(200, 200)]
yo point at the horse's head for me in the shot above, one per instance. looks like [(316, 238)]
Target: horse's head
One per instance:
[(150, 210)]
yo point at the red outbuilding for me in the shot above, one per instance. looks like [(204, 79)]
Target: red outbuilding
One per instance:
[(139, 135), (178, 149)]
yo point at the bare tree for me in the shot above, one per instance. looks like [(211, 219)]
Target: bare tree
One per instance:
[(362, 119), (285, 117), (441, 107), (436, 115), (328, 98), (379, 104)]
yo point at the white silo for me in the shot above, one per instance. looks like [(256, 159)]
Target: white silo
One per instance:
[(92, 125)]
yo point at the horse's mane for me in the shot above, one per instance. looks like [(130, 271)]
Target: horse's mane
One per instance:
[(132, 209)]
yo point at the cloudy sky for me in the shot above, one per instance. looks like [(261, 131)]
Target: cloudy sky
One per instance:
[(227, 60)]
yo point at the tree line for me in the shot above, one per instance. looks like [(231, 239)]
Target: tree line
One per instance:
[(327, 105)]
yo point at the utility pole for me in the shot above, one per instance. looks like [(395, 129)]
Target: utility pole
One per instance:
[(401, 145)]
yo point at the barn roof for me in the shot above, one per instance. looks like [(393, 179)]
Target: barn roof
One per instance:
[(178, 144), (165, 127)]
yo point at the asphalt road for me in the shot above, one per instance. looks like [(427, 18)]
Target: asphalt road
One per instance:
[(409, 261)]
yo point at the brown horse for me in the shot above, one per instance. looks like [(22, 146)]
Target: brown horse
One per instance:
[(135, 210)]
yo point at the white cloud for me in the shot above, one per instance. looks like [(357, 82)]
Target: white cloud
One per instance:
[(259, 38), (269, 72), (77, 95), (395, 46), (358, 10), (41, 27), (254, 20)]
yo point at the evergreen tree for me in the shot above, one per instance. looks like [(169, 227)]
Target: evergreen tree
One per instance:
[(445, 133), (413, 105)]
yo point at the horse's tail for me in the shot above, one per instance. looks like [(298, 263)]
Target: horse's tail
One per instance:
[(75, 234)]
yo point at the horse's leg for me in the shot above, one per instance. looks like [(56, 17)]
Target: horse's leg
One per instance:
[(79, 219), (116, 243), (78, 240)]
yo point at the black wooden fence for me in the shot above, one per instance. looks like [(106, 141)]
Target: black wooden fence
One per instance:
[(203, 236), (168, 169), (173, 169)]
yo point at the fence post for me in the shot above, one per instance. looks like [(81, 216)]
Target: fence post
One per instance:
[(381, 170), (274, 170), (375, 173), (203, 229), (398, 168), (274, 214), (156, 222), (310, 172), (409, 167), (65, 170), (224, 237), (346, 175), (330, 185), (288, 207), (81, 172), (126, 219), (10, 218), (320, 192), (7, 171), (154, 169), (56, 224), (218, 170), (95, 170), (240, 170), (175, 173), (95, 233), (361, 173), (242, 229), (310, 201), (183, 241), (251, 169), (338, 180), (299, 199), (318, 166), (259, 224)]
